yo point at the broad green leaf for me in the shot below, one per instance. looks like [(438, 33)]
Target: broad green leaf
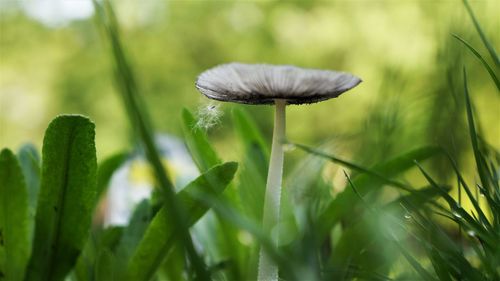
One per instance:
[(202, 152), (30, 164), (66, 199), (99, 240), (248, 130), (29, 159), (173, 265), (104, 270), (254, 165), (159, 236), (14, 219), (133, 233)]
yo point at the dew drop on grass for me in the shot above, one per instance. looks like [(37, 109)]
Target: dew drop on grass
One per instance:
[(288, 147), (471, 233), (456, 214), (408, 216), (245, 238)]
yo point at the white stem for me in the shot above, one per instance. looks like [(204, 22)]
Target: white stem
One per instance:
[(268, 271)]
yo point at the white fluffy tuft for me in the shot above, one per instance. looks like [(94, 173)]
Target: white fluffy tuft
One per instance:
[(208, 115)]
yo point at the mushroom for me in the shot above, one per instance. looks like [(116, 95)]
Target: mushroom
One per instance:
[(279, 85)]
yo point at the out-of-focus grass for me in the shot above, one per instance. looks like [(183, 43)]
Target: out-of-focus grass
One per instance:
[(400, 50), (393, 214)]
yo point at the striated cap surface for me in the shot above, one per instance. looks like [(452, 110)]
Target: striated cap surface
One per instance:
[(263, 83)]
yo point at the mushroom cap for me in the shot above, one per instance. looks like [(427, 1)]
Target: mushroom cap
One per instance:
[(264, 83)]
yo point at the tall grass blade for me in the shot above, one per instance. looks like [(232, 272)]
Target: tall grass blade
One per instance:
[(66, 199), (15, 237), (158, 239), (460, 216), (370, 172), (200, 149), (106, 170), (424, 274), (254, 165), (139, 120), (132, 235), (482, 168), (485, 40), (235, 218), (373, 178), (483, 61)]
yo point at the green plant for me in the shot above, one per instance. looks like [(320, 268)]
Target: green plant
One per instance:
[(396, 219)]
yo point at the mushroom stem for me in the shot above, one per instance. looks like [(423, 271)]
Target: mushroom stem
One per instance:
[(268, 270)]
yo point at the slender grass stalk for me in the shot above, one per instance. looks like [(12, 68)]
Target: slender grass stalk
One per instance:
[(137, 115), (483, 61), (485, 40), (268, 270)]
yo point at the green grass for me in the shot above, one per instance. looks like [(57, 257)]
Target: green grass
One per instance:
[(395, 219)]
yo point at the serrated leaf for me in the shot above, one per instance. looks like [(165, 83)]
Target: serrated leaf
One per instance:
[(66, 199), (14, 217)]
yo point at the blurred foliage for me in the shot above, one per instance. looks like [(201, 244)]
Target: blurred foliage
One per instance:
[(403, 50), (375, 218)]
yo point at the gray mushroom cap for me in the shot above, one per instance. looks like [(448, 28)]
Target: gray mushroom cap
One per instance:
[(264, 83)]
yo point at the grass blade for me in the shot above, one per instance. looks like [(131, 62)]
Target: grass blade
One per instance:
[(424, 274), (375, 172), (66, 199), (200, 149), (342, 204), (485, 40), (140, 122), (106, 169), (478, 55), (482, 168), (104, 266), (248, 130), (234, 217), (158, 238), (254, 165), (14, 229), (132, 234)]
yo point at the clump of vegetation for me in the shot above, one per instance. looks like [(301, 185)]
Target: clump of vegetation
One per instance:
[(382, 226)]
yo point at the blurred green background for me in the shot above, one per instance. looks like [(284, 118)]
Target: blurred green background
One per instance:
[(53, 60)]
